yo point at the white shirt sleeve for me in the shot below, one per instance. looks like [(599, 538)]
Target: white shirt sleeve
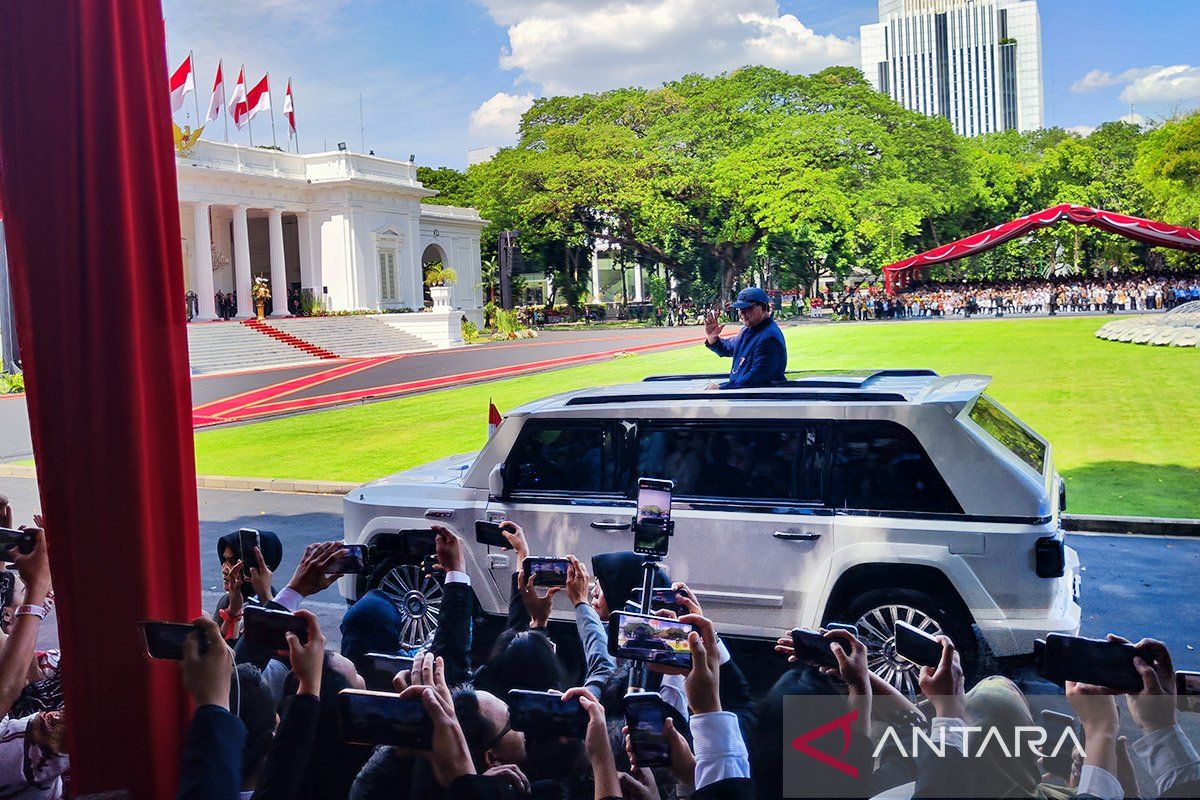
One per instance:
[(454, 576), (720, 752), (673, 693), (289, 598), (1170, 757), (1099, 782), (723, 651), (950, 729)]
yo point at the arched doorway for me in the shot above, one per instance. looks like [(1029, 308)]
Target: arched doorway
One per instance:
[(433, 254)]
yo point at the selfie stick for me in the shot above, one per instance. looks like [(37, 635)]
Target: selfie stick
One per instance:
[(637, 675)]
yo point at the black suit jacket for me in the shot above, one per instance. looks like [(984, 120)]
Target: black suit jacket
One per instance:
[(283, 771), (212, 756), (452, 640)]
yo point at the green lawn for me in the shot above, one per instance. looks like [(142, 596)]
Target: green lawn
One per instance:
[(1122, 418)]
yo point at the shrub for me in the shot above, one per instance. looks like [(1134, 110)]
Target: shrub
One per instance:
[(11, 384), (507, 323), (470, 333)]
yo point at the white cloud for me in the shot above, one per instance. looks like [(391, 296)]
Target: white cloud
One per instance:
[(569, 46), (1156, 84), (1083, 131), (1136, 119), (497, 118)]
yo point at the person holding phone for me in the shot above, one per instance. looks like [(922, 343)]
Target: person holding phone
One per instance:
[(245, 576), (758, 351)]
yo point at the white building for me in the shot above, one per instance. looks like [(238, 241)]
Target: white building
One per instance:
[(977, 63), (348, 227)]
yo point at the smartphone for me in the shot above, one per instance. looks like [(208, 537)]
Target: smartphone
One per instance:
[(917, 646), (546, 714), (646, 718), (651, 529), (841, 626), (1095, 661), (419, 543), (266, 627), (813, 648), (1187, 689), (1054, 724), (165, 640), (489, 533), (378, 669), (353, 563), (654, 640), (248, 539), (24, 541), (382, 718), (546, 571), (661, 599)]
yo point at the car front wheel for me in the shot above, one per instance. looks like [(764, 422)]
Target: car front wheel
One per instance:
[(418, 597)]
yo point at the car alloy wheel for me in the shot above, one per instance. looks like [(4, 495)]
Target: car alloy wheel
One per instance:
[(876, 628), (419, 599)]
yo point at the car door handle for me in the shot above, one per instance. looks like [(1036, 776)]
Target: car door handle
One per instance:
[(609, 525), (797, 536)]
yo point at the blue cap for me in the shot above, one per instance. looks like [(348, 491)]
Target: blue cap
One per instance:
[(750, 296)]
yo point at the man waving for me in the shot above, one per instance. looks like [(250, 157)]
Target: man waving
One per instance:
[(758, 351)]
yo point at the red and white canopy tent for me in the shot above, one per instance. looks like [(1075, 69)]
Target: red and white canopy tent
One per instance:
[(902, 273)]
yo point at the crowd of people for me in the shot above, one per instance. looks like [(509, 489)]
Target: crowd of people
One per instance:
[(269, 723), (1073, 294)]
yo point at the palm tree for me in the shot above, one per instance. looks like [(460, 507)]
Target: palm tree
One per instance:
[(438, 274)]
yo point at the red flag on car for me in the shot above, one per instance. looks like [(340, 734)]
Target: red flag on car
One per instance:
[(494, 418)]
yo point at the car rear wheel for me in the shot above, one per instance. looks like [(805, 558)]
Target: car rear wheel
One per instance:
[(419, 600), (876, 612)]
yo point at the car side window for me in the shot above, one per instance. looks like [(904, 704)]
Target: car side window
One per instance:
[(735, 462), (880, 466), (566, 458)]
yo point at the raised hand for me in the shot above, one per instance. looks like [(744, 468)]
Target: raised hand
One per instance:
[(712, 325), (945, 686), (206, 676), (1154, 706), (516, 539), (449, 758), (538, 606), (307, 659), (34, 569), (313, 573), (449, 549), (596, 743), (702, 684), (260, 576), (578, 581)]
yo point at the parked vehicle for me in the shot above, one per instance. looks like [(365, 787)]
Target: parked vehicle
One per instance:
[(858, 497)]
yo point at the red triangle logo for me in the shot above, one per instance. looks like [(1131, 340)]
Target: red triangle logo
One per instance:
[(842, 723)]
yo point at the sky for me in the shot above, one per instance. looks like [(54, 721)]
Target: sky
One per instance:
[(437, 77)]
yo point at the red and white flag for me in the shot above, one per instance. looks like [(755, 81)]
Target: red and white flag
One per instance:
[(182, 81), (218, 96), (289, 110), (258, 98), (237, 104), (494, 418)]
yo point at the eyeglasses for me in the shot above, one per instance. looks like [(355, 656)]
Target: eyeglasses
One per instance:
[(495, 740)]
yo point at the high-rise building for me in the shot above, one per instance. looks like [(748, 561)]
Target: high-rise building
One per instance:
[(978, 63)]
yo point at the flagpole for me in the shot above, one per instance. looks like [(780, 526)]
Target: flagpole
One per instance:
[(224, 108), (195, 92), (274, 141)]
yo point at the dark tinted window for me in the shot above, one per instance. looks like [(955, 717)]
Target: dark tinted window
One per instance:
[(575, 458), (1005, 430), (733, 461), (880, 466)]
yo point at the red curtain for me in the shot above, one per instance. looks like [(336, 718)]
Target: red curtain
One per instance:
[(87, 179)]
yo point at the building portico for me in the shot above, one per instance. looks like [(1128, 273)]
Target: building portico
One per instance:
[(346, 230)]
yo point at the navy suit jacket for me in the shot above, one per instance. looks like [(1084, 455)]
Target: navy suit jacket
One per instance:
[(759, 355)]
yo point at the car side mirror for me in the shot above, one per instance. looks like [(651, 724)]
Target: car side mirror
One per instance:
[(496, 482)]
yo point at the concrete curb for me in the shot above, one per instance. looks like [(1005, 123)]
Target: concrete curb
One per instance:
[(1151, 526)]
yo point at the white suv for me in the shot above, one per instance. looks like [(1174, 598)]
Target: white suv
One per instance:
[(861, 497)]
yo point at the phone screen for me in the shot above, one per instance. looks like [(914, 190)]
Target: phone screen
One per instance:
[(654, 501), (165, 639), (660, 599), (813, 648), (645, 717), (547, 571), (378, 669), (247, 541), (353, 563), (1187, 687), (382, 718), (489, 533), (654, 640), (546, 714), (1095, 661), (917, 646), (267, 627)]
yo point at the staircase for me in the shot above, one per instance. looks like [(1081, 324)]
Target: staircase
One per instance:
[(225, 346), (283, 336), (350, 336)]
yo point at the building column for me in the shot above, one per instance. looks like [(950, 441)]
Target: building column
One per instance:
[(308, 276), (241, 264), (637, 281), (202, 265), (596, 298), (279, 287)]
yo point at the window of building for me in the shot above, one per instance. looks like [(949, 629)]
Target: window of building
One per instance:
[(880, 466), (571, 458), (735, 461), (386, 258)]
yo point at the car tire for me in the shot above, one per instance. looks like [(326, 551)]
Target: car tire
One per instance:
[(416, 595), (874, 611)]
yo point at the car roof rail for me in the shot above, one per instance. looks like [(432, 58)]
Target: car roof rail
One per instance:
[(711, 376), (789, 396), (847, 377)]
